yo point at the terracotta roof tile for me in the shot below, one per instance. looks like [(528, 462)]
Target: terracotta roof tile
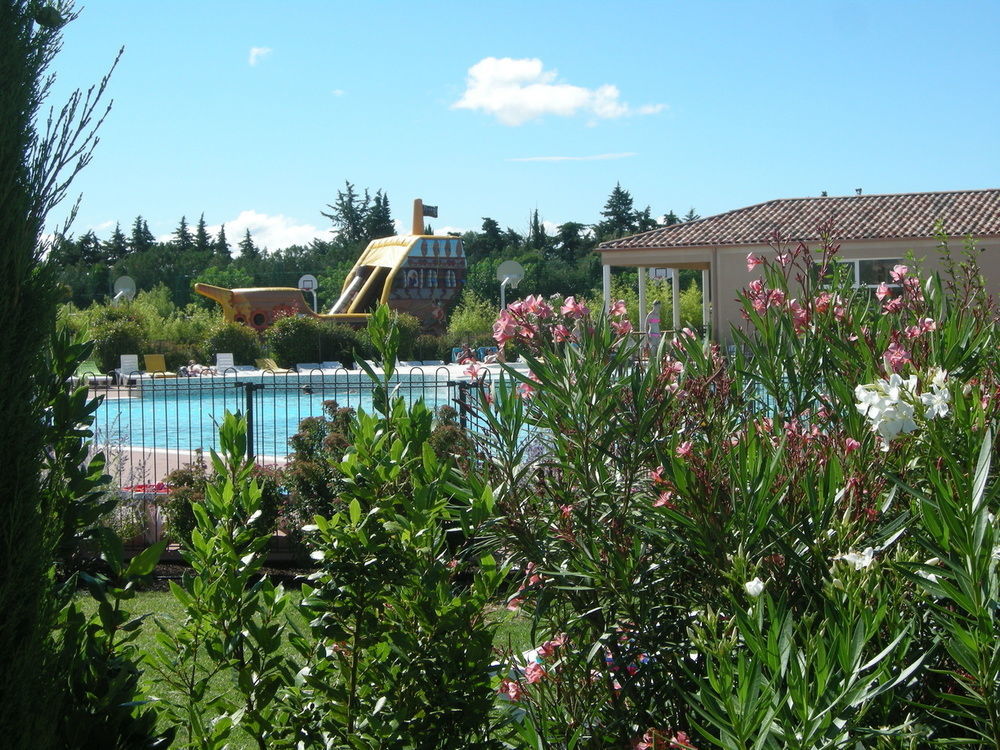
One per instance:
[(853, 217)]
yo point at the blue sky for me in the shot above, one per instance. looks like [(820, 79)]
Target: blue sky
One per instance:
[(256, 112)]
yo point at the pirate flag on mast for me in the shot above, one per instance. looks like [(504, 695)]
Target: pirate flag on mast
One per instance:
[(419, 212)]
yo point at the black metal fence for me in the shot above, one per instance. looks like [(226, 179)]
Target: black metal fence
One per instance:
[(147, 427)]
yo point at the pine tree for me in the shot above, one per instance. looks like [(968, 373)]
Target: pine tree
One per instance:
[(691, 216), (142, 239), (619, 214), (348, 214), (221, 248), (115, 248), (202, 243), (182, 236), (248, 250), (90, 249), (669, 219), (644, 221), (378, 222)]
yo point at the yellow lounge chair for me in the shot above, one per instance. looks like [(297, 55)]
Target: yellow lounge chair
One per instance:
[(269, 365), (156, 366)]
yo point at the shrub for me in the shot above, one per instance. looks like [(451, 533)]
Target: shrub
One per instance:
[(243, 342), (472, 320), (337, 343), (428, 346), (295, 338), (117, 336), (187, 487), (409, 329)]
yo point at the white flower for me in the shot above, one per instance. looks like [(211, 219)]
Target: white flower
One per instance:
[(755, 587), (858, 560), (936, 401)]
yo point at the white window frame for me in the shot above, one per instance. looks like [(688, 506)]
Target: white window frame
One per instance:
[(856, 264)]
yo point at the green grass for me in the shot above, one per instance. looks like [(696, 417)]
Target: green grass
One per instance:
[(513, 635)]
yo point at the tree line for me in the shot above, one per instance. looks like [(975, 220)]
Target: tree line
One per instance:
[(562, 262)]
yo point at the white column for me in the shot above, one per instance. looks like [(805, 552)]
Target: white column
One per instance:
[(642, 299), (675, 296), (705, 309), (606, 279)]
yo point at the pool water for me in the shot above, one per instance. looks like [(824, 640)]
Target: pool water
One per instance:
[(184, 414)]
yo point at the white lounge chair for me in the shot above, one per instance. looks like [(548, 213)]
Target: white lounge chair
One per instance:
[(331, 364), (307, 367), (225, 363), (128, 369)]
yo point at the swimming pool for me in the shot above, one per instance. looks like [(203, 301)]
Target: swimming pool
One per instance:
[(183, 414)]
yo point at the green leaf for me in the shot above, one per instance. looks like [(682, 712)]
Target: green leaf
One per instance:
[(144, 563)]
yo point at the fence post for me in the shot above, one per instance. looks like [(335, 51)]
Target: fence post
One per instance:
[(463, 404), (250, 388)]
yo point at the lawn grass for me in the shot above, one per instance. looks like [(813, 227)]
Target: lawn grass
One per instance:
[(513, 635)]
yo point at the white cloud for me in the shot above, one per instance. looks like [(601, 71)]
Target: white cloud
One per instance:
[(516, 91), (271, 232), (256, 53), (594, 157), (337, 92)]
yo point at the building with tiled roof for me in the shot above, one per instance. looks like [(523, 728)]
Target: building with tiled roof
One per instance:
[(874, 232)]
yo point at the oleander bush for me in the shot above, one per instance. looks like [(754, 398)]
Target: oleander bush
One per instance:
[(791, 546)]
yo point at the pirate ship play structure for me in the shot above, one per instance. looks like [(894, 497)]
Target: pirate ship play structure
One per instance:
[(414, 273)]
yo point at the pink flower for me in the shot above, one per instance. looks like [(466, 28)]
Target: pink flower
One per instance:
[(684, 449), (622, 327), (927, 324), (911, 286), (573, 309), (657, 475), (784, 259), (913, 332), (566, 510), (548, 648), (561, 333), (474, 371), (514, 604), (511, 689), (893, 305), (800, 316), (898, 273), (534, 672), (753, 261), (681, 740), (896, 356), (822, 303), (535, 305), (618, 309), (665, 500), (851, 445), (882, 292)]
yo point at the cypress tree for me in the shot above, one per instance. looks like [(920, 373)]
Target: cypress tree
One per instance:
[(35, 172)]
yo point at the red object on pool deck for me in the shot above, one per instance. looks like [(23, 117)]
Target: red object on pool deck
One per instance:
[(159, 487)]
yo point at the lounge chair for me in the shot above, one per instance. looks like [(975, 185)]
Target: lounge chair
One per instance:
[(156, 366), (307, 367), (90, 374), (269, 365), (331, 364), (128, 369), (411, 363), (225, 364), (433, 363)]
